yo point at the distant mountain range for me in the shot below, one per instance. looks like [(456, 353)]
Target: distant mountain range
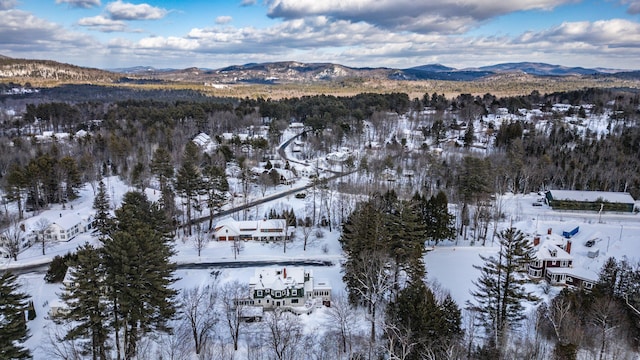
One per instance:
[(290, 71)]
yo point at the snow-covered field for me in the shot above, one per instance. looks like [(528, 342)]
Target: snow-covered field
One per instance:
[(450, 264)]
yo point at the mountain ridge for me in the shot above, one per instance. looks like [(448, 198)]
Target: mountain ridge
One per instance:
[(289, 72)]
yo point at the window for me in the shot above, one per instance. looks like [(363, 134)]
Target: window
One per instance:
[(588, 285), (259, 293), (294, 301), (569, 278), (278, 294), (294, 292)]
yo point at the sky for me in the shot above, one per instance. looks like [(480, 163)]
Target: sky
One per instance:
[(359, 33)]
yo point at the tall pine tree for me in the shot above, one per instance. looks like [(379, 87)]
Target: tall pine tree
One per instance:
[(103, 222), (500, 287), (139, 272), (86, 302), (13, 324)]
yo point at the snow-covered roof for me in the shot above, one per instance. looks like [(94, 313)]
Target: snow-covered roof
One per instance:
[(549, 250), (277, 278), (578, 272), (67, 221), (592, 196), (250, 226)]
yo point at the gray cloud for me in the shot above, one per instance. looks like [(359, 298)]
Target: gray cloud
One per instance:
[(248, 2), (445, 16), (119, 10), (221, 20), (101, 23), (634, 6), (85, 4), (7, 4), (25, 34)]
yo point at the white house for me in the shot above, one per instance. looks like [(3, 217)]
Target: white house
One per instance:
[(293, 288), (204, 142), (64, 228), (259, 230)]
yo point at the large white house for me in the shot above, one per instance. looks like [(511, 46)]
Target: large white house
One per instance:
[(292, 288), (259, 230)]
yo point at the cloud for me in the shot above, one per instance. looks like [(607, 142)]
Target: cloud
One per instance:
[(24, 34), (634, 6), (445, 16), (324, 39), (85, 4), (101, 23), (119, 10), (603, 33), (223, 20), (7, 4), (248, 2)]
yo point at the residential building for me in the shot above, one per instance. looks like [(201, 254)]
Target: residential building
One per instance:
[(259, 230), (292, 288), (554, 263)]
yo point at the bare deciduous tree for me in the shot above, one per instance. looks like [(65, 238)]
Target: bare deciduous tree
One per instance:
[(341, 317), (11, 237), (284, 334), (41, 227), (198, 308), (200, 240), (232, 306)]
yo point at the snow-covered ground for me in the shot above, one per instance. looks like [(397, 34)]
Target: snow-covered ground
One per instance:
[(449, 264)]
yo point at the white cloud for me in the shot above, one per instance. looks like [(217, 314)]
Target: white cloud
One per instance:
[(223, 20), (607, 33), (119, 10), (86, 4), (446, 16), (101, 23)]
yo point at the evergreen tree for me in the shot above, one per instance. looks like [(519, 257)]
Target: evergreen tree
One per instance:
[(217, 187), (162, 167), (500, 291), (421, 324), (102, 221), (15, 187), (139, 272), (469, 136), (189, 183), (434, 213), (406, 246), (13, 325), (85, 300)]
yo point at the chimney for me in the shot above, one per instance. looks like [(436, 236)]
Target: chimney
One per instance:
[(536, 240), (549, 231), (567, 248), (284, 273)]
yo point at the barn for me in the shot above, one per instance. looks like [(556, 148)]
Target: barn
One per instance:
[(590, 200)]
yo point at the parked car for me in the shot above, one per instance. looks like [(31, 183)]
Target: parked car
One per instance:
[(590, 243), (301, 195)]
